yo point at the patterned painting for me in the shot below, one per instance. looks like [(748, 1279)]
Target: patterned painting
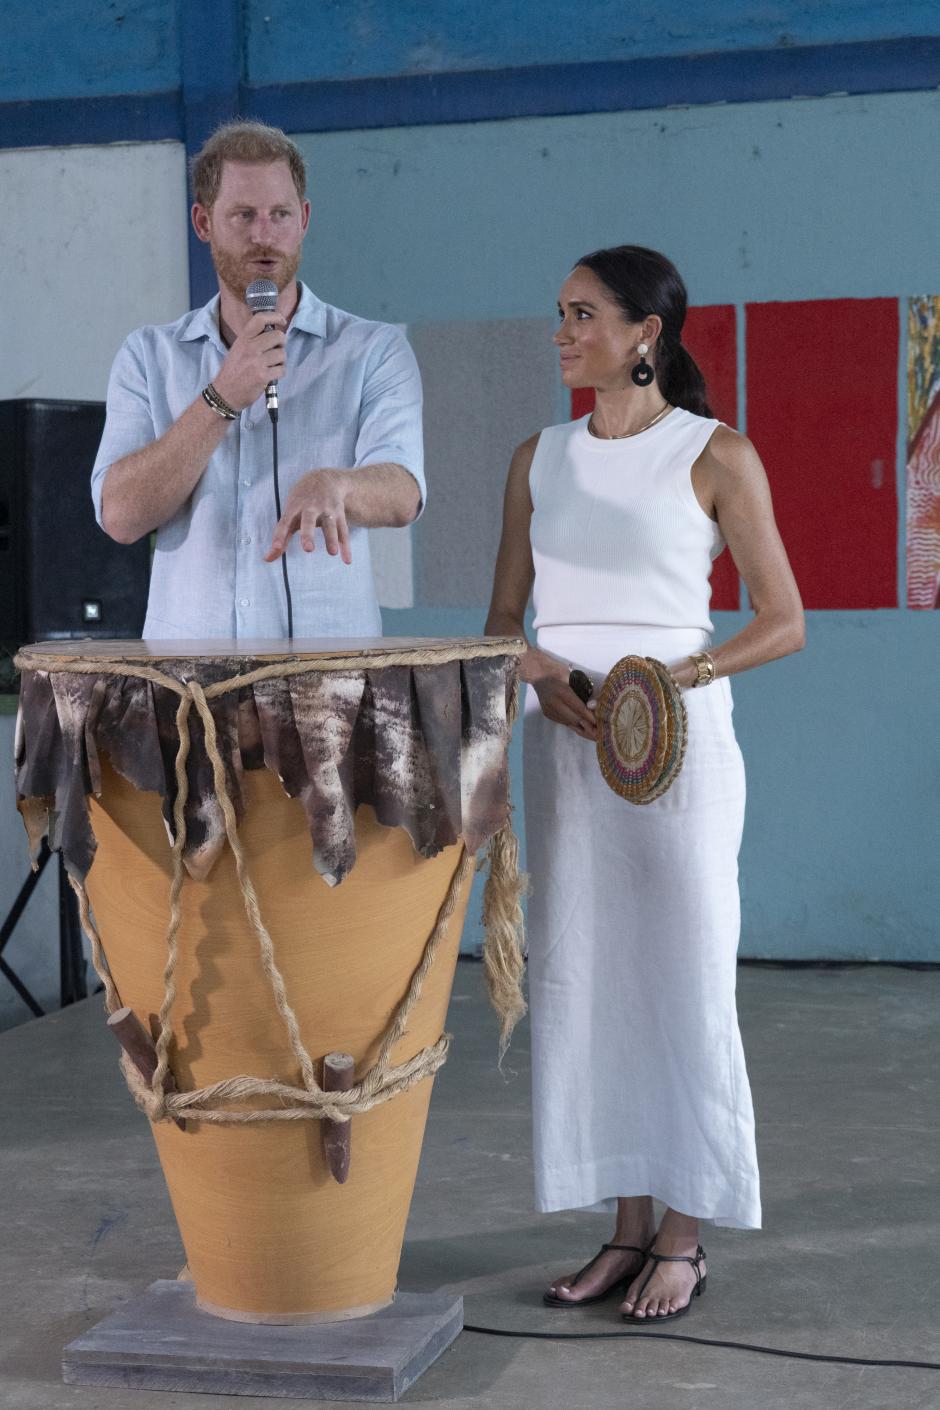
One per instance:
[(923, 452)]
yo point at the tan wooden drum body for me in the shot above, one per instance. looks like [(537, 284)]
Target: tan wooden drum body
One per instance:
[(269, 1235)]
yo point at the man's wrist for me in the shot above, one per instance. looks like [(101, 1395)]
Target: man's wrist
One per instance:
[(214, 399)]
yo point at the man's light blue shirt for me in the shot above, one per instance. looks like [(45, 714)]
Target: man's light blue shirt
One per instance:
[(350, 396)]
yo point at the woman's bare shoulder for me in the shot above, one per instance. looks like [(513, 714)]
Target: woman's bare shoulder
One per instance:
[(732, 454)]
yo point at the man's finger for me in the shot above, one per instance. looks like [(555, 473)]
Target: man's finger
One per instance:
[(330, 531), (345, 547), (283, 529), (262, 323), (308, 530)]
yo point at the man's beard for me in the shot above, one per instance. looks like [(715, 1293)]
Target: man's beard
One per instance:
[(236, 272)]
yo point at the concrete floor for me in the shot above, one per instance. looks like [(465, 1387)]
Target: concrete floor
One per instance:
[(845, 1067)]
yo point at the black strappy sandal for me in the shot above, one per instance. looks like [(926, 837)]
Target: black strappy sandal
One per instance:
[(700, 1281), (620, 1285)]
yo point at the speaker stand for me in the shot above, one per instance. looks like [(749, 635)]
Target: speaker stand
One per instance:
[(72, 984)]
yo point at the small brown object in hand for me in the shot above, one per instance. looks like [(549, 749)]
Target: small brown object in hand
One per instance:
[(582, 685)]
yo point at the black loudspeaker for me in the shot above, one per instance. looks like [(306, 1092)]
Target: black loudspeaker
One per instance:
[(60, 575)]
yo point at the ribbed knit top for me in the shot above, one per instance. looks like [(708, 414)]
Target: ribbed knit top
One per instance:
[(618, 535)]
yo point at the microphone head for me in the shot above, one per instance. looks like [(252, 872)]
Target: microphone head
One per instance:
[(261, 296)]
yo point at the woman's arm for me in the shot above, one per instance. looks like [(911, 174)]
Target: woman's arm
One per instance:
[(731, 484), (512, 583)]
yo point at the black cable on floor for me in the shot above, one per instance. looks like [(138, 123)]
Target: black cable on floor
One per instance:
[(746, 963), (702, 1341)]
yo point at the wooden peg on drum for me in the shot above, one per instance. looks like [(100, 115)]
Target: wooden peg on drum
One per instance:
[(140, 1048), (339, 1074)]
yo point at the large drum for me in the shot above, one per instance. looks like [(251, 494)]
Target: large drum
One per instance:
[(187, 789)]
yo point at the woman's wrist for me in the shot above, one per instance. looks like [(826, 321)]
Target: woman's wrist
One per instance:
[(695, 671), (537, 665)]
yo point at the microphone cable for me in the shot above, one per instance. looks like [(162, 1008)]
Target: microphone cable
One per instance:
[(261, 297), (272, 412), (832, 1360)]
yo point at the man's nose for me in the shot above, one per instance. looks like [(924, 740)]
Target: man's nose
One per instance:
[(262, 228)]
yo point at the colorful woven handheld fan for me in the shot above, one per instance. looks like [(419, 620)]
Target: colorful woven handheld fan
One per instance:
[(642, 724)]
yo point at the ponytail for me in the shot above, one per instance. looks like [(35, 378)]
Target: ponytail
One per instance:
[(680, 377)]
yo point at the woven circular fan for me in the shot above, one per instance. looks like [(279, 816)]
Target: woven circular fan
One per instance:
[(641, 729), (677, 727)]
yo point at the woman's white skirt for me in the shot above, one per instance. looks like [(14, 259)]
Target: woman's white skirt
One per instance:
[(639, 1082)]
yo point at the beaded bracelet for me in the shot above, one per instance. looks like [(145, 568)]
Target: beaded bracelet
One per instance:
[(219, 405)]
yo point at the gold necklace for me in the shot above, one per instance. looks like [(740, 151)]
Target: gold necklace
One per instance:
[(625, 435)]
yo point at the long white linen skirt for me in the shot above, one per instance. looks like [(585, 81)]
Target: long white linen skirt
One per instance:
[(639, 1082)]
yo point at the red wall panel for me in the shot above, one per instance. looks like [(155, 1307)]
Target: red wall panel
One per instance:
[(710, 334), (822, 412), (711, 338)]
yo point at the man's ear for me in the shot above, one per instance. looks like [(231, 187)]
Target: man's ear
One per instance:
[(202, 223)]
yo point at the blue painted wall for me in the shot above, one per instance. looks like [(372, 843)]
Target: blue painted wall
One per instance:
[(290, 40), (83, 48), (758, 201), (65, 49)]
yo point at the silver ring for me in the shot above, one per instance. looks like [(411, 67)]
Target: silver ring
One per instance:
[(326, 516)]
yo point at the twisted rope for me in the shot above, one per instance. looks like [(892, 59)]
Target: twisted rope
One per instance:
[(503, 951)]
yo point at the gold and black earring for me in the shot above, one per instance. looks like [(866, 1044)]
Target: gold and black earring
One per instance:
[(642, 373)]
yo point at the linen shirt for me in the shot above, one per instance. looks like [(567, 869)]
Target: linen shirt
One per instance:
[(350, 396)]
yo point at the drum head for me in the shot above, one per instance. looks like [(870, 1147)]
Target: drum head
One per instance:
[(641, 722)]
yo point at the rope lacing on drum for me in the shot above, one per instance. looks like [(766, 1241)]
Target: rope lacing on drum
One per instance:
[(503, 951)]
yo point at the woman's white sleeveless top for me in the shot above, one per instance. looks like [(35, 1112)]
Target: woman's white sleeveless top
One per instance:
[(617, 533)]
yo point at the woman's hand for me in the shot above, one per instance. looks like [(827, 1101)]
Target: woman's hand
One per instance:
[(549, 679), (684, 673)]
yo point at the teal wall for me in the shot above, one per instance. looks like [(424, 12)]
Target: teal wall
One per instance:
[(827, 198)]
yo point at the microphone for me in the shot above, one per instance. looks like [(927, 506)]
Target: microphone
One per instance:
[(261, 297)]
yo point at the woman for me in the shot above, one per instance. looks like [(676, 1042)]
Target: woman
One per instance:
[(639, 1086)]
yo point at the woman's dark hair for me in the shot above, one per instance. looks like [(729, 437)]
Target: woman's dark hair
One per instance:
[(643, 282)]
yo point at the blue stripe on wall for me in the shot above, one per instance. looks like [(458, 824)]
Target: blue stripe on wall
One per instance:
[(561, 89), (211, 58), (74, 122)]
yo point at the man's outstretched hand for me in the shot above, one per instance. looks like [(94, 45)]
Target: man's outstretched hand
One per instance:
[(317, 500)]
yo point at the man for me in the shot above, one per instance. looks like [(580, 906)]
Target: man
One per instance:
[(187, 445)]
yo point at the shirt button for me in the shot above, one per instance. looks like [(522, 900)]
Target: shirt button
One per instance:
[(249, 425), (246, 483), (245, 602), (246, 540)]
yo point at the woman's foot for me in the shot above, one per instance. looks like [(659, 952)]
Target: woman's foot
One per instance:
[(612, 1267), (608, 1271), (666, 1289)]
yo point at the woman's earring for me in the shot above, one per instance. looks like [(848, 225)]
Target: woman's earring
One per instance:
[(642, 373)]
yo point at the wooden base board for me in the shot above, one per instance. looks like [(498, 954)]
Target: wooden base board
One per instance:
[(162, 1341)]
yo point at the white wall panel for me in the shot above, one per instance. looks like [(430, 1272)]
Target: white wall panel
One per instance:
[(92, 244)]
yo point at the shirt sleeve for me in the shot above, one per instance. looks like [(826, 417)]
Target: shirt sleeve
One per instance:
[(390, 411), (129, 422)]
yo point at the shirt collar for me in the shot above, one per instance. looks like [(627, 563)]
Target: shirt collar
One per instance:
[(309, 317)]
